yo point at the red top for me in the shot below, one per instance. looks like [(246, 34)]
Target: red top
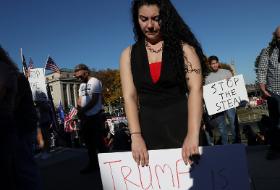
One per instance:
[(155, 69)]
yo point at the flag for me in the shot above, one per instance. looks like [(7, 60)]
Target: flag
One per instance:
[(51, 65), (69, 122), (30, 65), (73, 112), (60, 112), (24, 66)]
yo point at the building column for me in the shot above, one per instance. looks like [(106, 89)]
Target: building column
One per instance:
[(75, 94), (61, 94), (68, 94)]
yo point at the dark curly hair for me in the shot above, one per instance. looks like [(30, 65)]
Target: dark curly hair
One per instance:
[(174, 32), (273, 43)]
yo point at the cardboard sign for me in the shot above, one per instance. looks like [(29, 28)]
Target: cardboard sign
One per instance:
[(220, 167), (225, 94), (38, 84)]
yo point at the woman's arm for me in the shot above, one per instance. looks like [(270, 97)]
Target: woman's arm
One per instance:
[(194, 82), (138, 146)]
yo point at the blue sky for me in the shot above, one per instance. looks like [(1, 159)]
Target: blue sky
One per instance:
[(95, 32)]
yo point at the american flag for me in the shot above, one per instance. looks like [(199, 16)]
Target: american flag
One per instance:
[(69, 123), (73, 111), (51, 65), (30, 65)]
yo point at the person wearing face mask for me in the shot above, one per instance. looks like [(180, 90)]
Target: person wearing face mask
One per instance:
[(268, 75), (161, 77), (90, 115)]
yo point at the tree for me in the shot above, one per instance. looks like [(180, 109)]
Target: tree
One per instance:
[(111, 85), (257, 61), (227, 67)]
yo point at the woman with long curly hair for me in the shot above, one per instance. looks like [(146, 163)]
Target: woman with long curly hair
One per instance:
[(161, 76)]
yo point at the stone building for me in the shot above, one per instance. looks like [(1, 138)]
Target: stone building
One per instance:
[(63, 87)]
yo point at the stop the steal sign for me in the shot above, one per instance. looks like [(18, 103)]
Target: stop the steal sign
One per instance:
[(225, 94), (220, 168)]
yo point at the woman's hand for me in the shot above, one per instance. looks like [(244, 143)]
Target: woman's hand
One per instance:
[(139, 150), (190, 151)]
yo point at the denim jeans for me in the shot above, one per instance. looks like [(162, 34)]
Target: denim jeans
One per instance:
[(220, 122), (230, 114)]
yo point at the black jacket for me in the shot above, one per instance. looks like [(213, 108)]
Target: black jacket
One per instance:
[(25, 112)]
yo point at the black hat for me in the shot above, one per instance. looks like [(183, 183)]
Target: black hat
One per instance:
[(81, 67)]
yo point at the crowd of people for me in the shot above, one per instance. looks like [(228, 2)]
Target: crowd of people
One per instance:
[(162, 75)]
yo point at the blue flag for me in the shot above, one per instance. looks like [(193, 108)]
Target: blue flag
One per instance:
[(60, 112)]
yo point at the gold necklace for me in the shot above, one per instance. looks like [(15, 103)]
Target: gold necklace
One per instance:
[(148, 46)]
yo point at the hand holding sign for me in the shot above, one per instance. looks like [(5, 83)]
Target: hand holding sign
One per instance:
[(139, 150), (190, 150)]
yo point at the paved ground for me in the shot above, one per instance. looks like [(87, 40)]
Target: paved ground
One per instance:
[(265, 174), (61, 171)]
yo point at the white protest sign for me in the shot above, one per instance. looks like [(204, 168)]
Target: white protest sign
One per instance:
[(225, 94), (37, 83), (220, 167)]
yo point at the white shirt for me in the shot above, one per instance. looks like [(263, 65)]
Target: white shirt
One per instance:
[(93, 86), (221, 74)]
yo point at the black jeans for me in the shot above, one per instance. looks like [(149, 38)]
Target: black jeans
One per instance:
[(274, 115), (92, 128)]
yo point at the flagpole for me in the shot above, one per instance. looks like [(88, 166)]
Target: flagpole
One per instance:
[(21, 55), (24, 70), (51, 100), (54, 115), (52, 106)]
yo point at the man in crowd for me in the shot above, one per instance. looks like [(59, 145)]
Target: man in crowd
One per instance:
[(215, 75), (90, 115), (269, 81)]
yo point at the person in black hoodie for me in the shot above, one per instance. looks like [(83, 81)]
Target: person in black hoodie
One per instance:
[(18, 122)]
